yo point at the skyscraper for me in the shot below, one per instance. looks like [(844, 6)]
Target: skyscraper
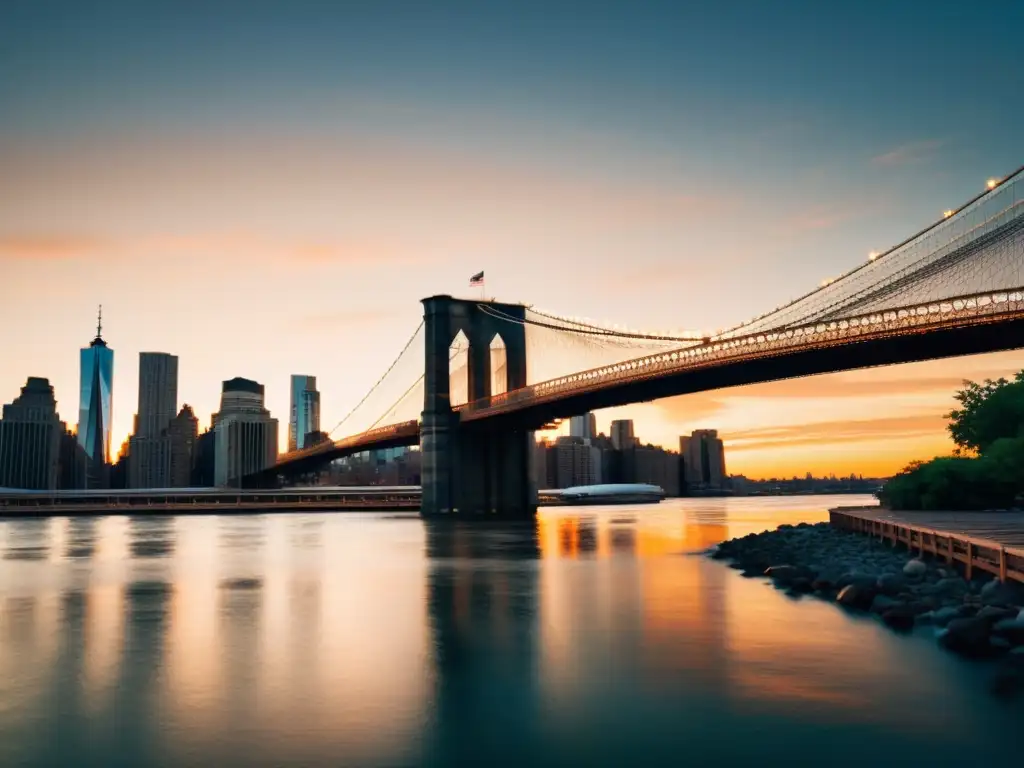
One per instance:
[(183, 433), (96, 392), (703, 455), (246, 435), (30, 434), (622, 434), (149, 464), (584, 426), (304, 418)]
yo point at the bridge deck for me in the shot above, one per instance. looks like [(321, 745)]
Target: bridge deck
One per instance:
[(988, 541)]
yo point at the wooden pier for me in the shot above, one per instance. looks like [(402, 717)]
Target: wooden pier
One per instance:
[(992, 542)]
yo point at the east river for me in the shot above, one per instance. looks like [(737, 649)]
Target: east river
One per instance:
[(595, 636)]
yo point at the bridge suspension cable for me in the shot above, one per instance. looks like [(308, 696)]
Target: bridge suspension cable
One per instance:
[(953, 255), (374, 388)]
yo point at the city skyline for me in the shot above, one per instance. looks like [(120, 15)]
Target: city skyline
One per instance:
[(607, 184)]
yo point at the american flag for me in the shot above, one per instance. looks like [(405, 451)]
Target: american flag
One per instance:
[(477, 279)]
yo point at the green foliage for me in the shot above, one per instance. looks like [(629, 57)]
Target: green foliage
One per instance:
[(987, 412), (988, 427)]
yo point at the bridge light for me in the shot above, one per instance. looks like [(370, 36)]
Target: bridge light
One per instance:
[(873, 255), (992, 183), (947, 214)]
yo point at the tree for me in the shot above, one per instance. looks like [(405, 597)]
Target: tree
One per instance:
[(987, 412), (987, 471)]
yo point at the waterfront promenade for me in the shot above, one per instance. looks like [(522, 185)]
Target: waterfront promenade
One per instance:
[(185, 501), (980, 541)]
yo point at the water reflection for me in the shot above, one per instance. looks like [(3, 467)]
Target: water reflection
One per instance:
[(27, 539), (81, 539), (483, 611), (151, 536), (592, 636)]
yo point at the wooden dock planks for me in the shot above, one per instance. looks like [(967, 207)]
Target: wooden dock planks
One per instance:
[(992, 542)]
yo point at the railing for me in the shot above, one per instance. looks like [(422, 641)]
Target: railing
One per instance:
[(375, 435), (966, 310)]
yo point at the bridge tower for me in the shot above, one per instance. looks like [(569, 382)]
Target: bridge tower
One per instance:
[(469, 469)]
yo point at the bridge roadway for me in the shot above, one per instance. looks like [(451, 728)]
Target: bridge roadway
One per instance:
[(955, 288), (221, 501), (970, 325)]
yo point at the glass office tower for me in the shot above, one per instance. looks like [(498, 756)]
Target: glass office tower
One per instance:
[(95, 398), (304, 416)]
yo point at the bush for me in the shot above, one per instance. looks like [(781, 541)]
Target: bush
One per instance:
[(990, 426)]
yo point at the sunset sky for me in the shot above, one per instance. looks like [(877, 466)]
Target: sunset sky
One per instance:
[(269, 188)]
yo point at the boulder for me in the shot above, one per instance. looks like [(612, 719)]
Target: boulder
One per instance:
[(915, 569), (968, 637), (1011, 629), (900, 618), (849, 578), (856, 596), (1000, 593), (882, 603), (782, 574), (822, 584), (890, 583), (943, 616), (999, 644), (995, 613), (950, 585), (801, 585)]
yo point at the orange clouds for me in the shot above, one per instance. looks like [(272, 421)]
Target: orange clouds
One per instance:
[(49, 247)]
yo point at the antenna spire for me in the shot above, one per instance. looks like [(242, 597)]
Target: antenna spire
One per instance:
[(99, 323)]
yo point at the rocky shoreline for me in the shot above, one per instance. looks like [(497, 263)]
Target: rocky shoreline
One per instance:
[(981, 619)]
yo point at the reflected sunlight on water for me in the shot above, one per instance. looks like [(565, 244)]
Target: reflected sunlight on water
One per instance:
[(592, 635)]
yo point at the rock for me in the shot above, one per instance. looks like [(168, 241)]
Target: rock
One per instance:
[(882, 603), (856, 596), (899, 617), (968, 637), (943, 616), (782, 574), (950, 585), (890, 583), (999, 643), (822, 584), (849, 578), (801, 585), (994, 614), (915, 568), (1011, 629), (1000, 593)]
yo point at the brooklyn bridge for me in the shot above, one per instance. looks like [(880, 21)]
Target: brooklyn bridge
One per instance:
[(478, 377)]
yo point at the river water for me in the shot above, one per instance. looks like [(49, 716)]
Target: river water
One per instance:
[(594, 636)]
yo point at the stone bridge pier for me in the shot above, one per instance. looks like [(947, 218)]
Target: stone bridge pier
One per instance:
[(469, 470)]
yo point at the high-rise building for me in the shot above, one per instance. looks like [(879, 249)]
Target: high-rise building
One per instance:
[(96, 392), (158, 393), (576, 463), (622, 434), (30, 433), (703, 455), (304, 418), (246, 435), (74, 465), (182, 434), (149, 463), (583, 426)]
